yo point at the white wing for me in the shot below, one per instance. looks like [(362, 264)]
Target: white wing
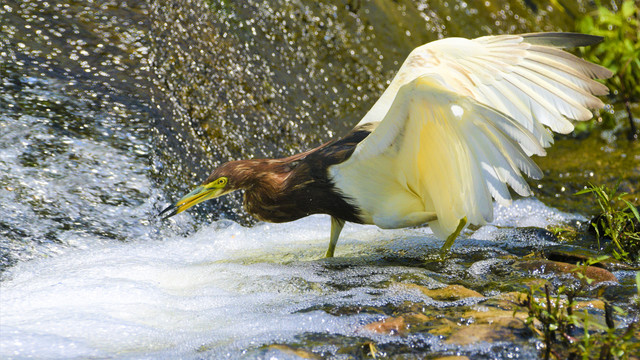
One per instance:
[(524, 76), (457, 125)]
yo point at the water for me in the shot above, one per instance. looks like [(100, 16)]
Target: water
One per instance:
[(226, 290), (74, 128), (109, 110)]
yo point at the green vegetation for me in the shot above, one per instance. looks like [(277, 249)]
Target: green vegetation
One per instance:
[(570, 334), (621, 226), (619, 52)]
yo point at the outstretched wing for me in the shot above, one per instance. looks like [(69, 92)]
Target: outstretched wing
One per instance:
[(458, 123), (528, 77)]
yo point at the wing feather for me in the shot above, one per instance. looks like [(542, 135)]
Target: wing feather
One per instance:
[(437, 152), (548, 54), (571, 75), (457, 124), (528, 77)]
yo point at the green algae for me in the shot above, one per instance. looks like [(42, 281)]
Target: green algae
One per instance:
[(572, 163)]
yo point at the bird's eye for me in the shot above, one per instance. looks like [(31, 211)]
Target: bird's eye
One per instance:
[(222, 181)]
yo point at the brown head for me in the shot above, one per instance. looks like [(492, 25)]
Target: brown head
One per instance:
[(228, 177)]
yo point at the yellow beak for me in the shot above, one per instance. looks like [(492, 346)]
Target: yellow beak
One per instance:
[(200, 194)]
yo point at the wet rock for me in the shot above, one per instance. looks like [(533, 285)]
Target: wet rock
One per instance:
[(447, 293), (447, 322), (303, 354), (444, 327), (523, 240), (516, 300), (481, 314), (506, 301), (534, 282), (575, 254), (388, 326), (319, 345), (546, 266), (396, 325), (591, 304), (500, 329), (485, 322), (452, 357)]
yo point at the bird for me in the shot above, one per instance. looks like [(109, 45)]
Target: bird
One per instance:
[(454, 129)]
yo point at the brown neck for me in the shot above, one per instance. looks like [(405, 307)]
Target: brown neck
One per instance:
[(279, 190)]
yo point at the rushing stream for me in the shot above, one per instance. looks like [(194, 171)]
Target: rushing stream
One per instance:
[(111, 109), (226, 290)]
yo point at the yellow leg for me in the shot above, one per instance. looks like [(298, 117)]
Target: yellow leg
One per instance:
[(336, 228), (449, 243)]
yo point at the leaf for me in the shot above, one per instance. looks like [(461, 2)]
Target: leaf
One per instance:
[(585, 25), (607, 17), (633, 209), (599, 259), (629, 45), (585, 191), (619, 310), (603, 12), (627, 9), (595, 227)]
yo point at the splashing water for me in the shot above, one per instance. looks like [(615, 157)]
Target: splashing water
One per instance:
[(222, 291)]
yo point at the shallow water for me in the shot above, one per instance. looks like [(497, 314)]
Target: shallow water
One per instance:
[(227, 290), (108, 111)]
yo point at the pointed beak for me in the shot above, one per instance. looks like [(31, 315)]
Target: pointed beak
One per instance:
[(200, 194)]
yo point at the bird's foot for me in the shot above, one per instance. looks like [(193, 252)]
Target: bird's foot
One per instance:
[(336, 227), (444, 251)]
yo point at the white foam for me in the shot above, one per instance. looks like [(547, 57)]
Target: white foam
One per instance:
[(221, 290), (530, 212)]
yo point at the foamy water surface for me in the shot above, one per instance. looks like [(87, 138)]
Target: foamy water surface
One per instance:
[(221, 292)]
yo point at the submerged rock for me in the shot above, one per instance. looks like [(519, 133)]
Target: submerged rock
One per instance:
[(394, 325), (500, 329), (447, 293), (597, 274), (575, 254), (496, 319), (590, 304)]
